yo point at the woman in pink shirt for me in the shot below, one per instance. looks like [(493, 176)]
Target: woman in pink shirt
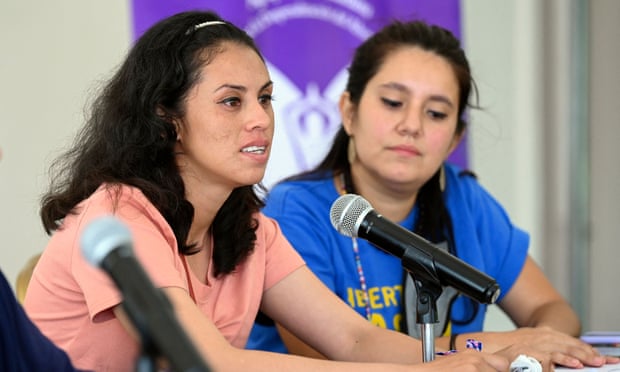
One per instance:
[(174, 147)]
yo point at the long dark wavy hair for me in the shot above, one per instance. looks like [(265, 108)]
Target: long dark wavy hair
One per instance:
[(129, 137), (434, 222)]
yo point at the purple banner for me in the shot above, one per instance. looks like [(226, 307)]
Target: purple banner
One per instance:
[(308, 46)]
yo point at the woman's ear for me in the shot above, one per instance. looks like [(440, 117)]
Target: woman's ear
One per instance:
[(347, 111), (165, 117), (177, 128), (455, 141)]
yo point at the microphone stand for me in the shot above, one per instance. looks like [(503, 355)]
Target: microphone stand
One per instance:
[(426, 314), (428, 288)]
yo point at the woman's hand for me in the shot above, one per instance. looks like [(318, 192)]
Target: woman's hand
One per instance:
[(546, 345)]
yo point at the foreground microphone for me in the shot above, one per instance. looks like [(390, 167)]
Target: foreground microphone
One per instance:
[(107, 243), (353, 216)]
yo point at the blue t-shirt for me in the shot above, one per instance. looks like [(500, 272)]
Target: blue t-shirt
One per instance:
[(483, 233)]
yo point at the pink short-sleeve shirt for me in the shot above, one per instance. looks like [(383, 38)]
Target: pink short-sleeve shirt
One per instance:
[(71, 301)]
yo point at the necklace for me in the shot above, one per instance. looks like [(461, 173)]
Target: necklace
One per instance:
[(360, 273), (356, 254)]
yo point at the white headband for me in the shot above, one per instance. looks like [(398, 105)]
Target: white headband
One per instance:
[(204, 24)]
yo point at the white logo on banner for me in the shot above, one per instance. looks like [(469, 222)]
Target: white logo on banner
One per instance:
[(306, 118), (306, 121)]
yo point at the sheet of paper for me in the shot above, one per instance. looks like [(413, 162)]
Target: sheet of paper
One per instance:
[(605, 368)]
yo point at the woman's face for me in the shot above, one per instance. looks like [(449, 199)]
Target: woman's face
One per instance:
[(405, 124), (225, 136)]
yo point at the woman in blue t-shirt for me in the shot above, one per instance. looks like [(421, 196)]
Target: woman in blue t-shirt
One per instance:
[(403, 113)]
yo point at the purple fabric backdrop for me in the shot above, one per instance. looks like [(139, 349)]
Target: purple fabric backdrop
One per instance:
[(308, 45)]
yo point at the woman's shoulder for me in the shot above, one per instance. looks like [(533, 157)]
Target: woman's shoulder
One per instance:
[(310, 189), (462, 179), (301, 197), (124, 201), (460, 173), (464, 191), (114, 192)]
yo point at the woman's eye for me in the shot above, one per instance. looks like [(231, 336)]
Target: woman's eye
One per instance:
[(391, 103), (438, 115), (232, 101), (266, 99)]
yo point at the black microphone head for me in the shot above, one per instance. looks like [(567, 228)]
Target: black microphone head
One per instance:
[(101, 237), (348, 212)]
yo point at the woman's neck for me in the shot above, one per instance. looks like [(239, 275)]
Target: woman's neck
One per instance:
[(394, 204), (207, 200)]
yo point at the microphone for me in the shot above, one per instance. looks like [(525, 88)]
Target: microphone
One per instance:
[(107, 243), (353, 216)]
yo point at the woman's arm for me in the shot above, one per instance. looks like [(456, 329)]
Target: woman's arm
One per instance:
[(318, 317), (303, 304), (544, 319), (297, 346), (534, 302)]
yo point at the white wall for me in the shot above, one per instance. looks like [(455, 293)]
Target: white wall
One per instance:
[(501, 44), (53, 54), (604, 137)]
